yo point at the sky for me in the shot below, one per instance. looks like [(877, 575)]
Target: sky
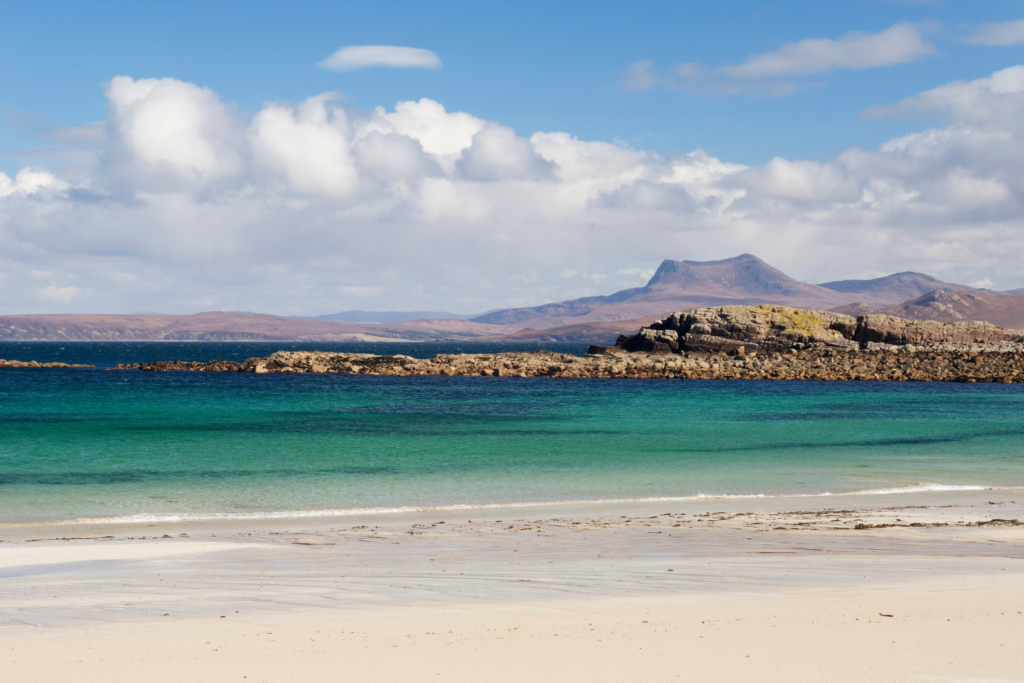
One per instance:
[(311, 157)]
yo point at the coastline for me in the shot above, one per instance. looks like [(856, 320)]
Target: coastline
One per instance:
[(801, 591)]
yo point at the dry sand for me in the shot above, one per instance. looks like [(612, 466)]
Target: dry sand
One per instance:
[(610, 593)]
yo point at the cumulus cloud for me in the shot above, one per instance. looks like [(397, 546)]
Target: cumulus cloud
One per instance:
[(497, 153), (807, 181), (308, 146), (999, 34), (396, 57), (314, 207), (771, 73), (164, 132)]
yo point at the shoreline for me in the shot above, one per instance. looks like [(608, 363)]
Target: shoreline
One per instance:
[(742, 592), (905, 495), (648, 534)]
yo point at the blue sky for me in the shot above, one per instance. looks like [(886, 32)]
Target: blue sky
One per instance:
[(549, 130), (532, 65)]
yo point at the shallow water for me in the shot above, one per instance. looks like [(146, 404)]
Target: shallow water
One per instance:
[(80, 444)]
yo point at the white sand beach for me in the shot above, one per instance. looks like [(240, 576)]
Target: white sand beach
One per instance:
[(927, 589)]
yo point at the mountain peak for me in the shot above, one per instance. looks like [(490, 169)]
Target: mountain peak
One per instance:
[(741, 276), (897, 287)]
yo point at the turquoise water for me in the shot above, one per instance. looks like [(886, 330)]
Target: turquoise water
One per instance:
[(97, 444)]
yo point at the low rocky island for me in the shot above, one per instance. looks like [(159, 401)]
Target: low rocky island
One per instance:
[(729, 342), (36, 364)]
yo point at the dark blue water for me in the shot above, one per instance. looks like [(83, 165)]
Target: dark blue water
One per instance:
[(108, 354)]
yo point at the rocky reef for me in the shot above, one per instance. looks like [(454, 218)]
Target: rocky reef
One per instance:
[(35, 364)]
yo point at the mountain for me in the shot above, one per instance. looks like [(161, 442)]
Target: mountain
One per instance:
[(220, 326), (388, 316), (679, 285), (895, 288), (675, 286), (1005, 310), (742, 280), (741, 277)]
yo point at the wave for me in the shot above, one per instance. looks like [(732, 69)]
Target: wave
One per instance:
[(924, 488), (171, 517)]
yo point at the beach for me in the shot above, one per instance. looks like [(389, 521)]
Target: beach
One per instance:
[(930, 587)]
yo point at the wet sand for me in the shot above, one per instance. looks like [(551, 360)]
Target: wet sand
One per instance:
[(709, 590)]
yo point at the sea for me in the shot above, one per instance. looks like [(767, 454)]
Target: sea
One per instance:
[(96, 446)]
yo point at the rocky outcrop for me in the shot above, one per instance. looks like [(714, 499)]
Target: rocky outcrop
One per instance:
[(189, 365), (728, 342), (742, 329), (35, 364), (886, 329), (813, 363), (735, 328)]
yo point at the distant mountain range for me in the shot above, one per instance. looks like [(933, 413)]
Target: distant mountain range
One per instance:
[(743, 280), (677, 285), (998, 308), (221, 326), (389, 316)]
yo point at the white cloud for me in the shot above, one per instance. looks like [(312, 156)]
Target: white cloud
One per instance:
[(164, 131), (771, 73), (497, 153), (638, 77), (365, 56), (997, 99), (442, 134), (802, 180), (30, 181), (313, 206), (62, 295), (308, 145), (897, 44), (998, 34)]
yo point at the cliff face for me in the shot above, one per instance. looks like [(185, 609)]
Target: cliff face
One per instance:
[(734, 329)]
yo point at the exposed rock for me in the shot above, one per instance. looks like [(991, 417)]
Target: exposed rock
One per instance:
[(34, 364), (728, 328), (165, 365), (898, 331), (815, 363)]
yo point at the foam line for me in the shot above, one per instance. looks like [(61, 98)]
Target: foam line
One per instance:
[(150, 518)]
